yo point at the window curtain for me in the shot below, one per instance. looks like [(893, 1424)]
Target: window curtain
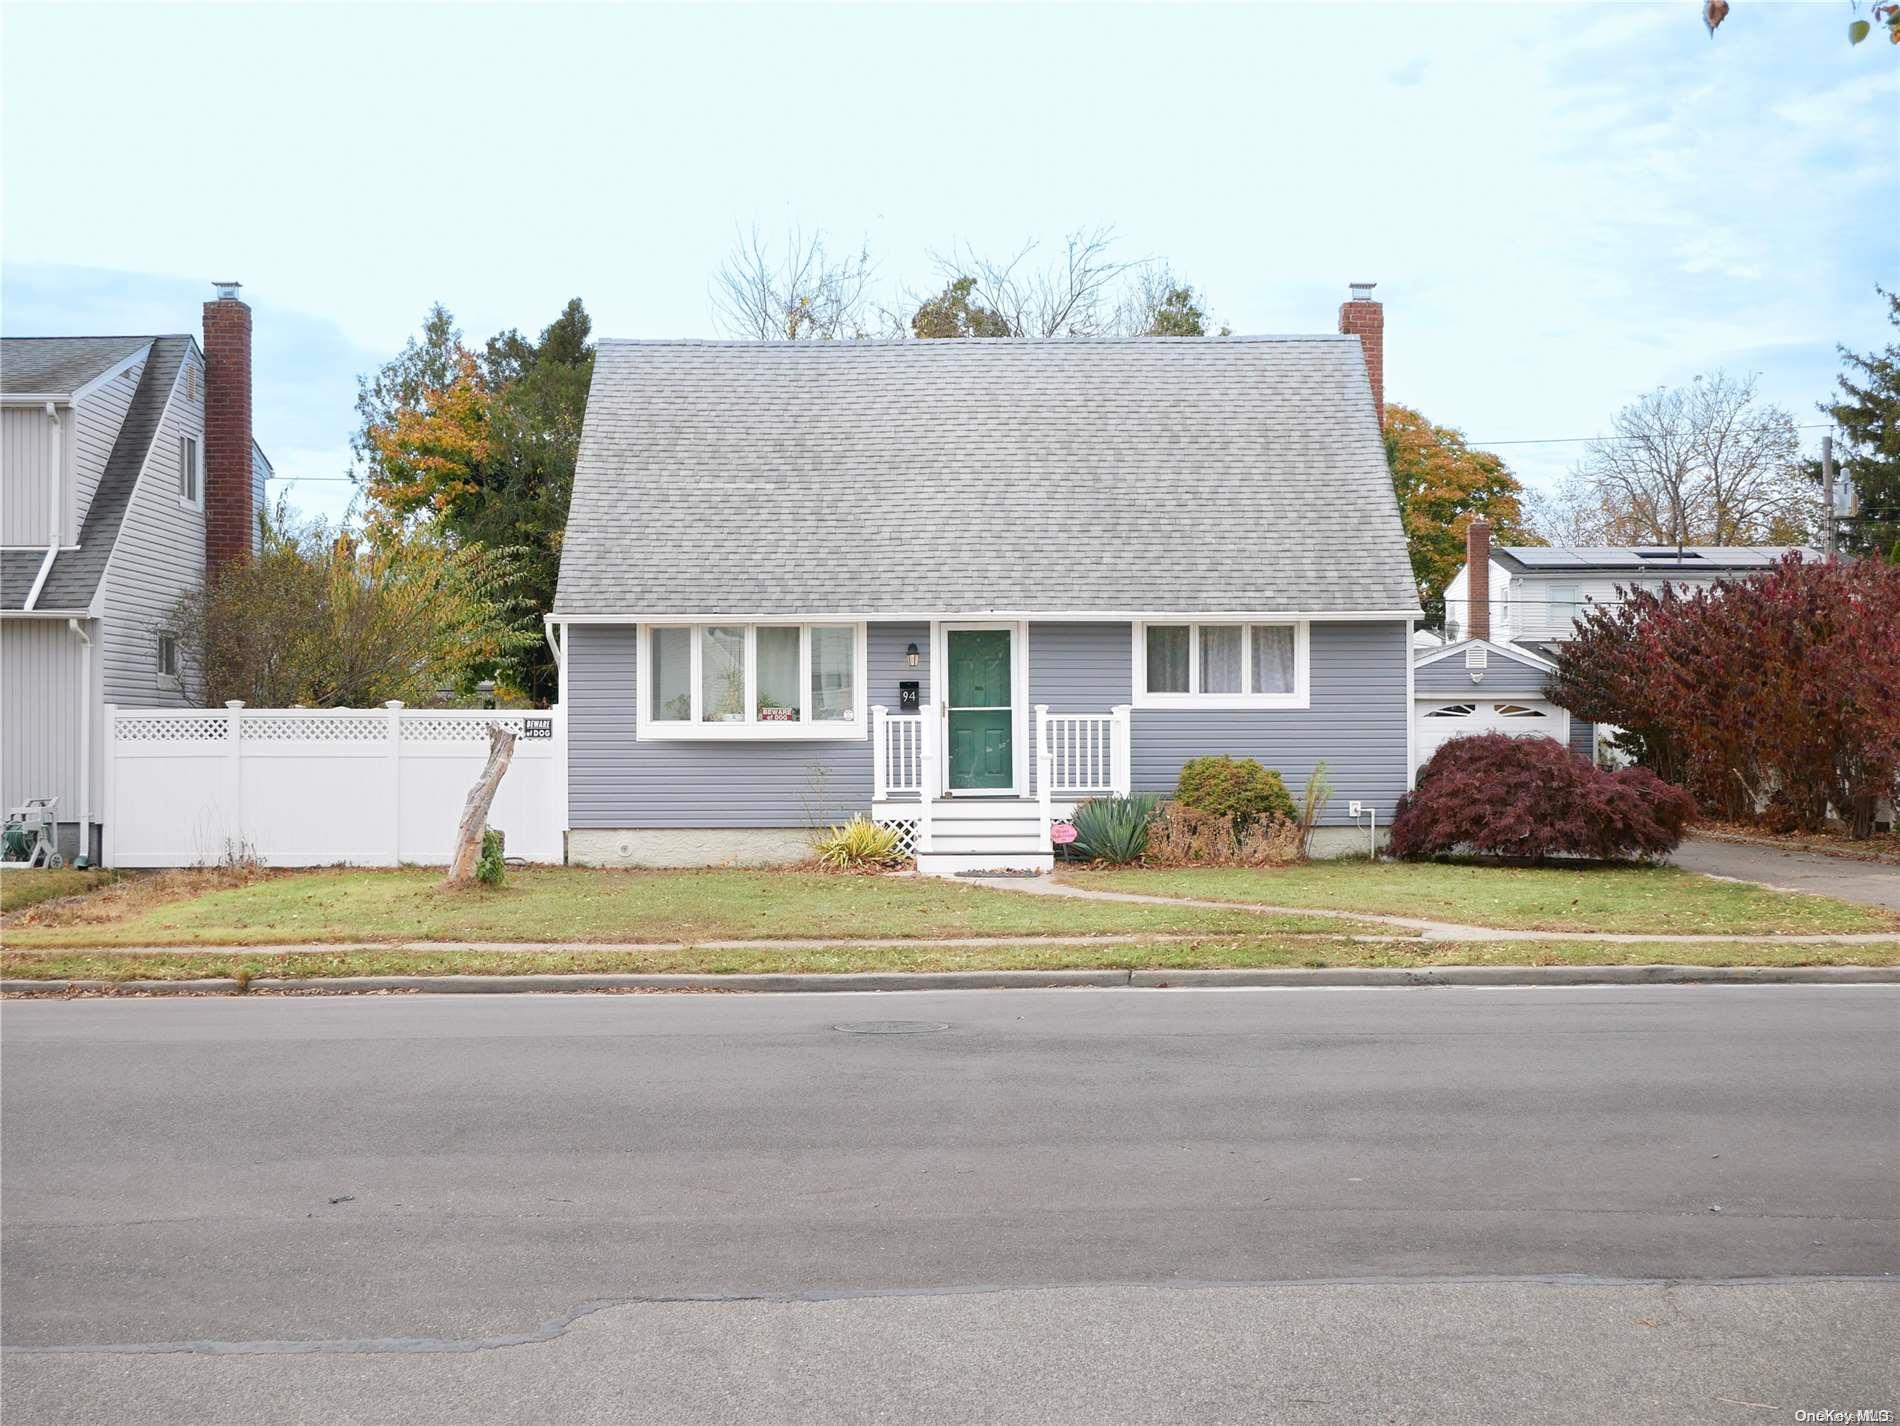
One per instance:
[(722, 675), (1220, 658), (1167, 658), (831, 663), (777, 675), (1272, 658), (672, 675)]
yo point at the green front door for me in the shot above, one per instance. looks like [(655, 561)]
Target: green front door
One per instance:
[(980, 723)]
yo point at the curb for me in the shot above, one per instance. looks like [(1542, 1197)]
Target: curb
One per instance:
[(1528, 976), (990, 980)]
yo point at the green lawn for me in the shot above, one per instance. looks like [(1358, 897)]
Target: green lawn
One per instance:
[(581, 905), (1664, 900), (28, 886), (1178, 954)]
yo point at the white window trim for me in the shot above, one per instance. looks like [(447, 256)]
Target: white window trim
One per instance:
[(196, 501), (854, 729), (1300, 697)]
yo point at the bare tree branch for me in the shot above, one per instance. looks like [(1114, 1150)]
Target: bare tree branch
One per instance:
[(1703, 464), (1068, 297), (799, 293)]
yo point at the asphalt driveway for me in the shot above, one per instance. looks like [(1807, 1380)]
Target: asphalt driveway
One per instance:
[(1868, 883)]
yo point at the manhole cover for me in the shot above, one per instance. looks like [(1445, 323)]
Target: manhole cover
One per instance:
[(891, 1027)]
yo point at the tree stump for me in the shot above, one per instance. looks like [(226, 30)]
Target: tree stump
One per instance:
[(468, 835)]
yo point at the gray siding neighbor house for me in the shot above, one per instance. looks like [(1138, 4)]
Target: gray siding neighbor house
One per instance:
[(960, 585), (1515, 605), (114, 484)]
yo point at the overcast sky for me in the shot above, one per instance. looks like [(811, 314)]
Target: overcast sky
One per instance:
[(1562, 206)]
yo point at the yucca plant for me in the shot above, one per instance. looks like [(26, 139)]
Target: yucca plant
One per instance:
[(1114, 829), (858, 845)]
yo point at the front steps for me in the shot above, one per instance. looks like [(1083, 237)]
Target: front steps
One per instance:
[(986, 834)]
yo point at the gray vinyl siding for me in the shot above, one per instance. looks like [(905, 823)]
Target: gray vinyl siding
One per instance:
[(101, 415), (159, 556), (40, 678), (1357, 721), (616, 780), (26, 446), (260, 492), (1503, 675)]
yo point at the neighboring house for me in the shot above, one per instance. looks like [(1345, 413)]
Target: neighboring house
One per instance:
[(1502, 626), (958, 585), (1535, 592), (128, 469)]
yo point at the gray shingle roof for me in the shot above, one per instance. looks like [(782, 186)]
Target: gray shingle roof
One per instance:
[(59, 366), (1211, 474), (76, 573)]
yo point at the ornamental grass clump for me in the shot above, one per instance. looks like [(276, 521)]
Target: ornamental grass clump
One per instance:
[(1532, 798), (859, 845), (1114, 829), (1187, 836)]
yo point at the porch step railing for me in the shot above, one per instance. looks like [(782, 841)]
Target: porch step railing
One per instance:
[(897, 751), (1076, 755)]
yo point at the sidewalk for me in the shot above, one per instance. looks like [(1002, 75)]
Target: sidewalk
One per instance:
[(1439, 930)]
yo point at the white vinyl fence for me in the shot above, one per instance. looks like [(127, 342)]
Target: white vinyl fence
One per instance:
[(319, 787)]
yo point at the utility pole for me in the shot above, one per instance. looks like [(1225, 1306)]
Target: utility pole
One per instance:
[(1827, 496)]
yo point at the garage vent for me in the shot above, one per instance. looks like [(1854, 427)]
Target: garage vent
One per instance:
[(1477, 656)]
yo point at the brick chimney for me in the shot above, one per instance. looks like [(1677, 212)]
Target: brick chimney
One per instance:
[(229, 518), (1363, 318), (1478, 580)]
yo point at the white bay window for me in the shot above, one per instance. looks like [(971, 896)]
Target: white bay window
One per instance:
[(1192, 665), (758, 681)]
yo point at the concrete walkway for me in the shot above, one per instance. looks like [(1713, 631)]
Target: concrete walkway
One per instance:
[(1437, 930), (1867, 883)]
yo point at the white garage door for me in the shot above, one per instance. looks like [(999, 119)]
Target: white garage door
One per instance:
[(1439, 723)]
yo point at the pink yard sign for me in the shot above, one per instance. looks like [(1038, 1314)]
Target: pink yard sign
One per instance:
[(1061, 833)]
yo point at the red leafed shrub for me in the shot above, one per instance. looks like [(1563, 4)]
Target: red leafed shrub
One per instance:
[(1772, 696), (1532, 797)]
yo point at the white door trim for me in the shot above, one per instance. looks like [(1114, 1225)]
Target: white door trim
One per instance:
[(1018, 698)]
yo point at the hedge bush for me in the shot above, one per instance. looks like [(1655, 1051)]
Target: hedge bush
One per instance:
[(1500, 795), (1239, 788)]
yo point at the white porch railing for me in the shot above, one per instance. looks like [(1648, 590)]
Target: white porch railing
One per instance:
[(1082, 754), (1076, 755), (897, 751)]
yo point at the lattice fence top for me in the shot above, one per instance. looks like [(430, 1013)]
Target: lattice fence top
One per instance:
[(473, 727), (324, 725), (314, 727), (173, 728)]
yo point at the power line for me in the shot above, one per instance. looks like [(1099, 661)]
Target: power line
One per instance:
[(1615, 440)]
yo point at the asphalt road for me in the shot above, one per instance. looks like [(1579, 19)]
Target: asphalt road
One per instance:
[(1870, 883), (1613, 1204)]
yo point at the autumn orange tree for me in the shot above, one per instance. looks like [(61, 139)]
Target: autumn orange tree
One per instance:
[(1442, 485), (477, 448)]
